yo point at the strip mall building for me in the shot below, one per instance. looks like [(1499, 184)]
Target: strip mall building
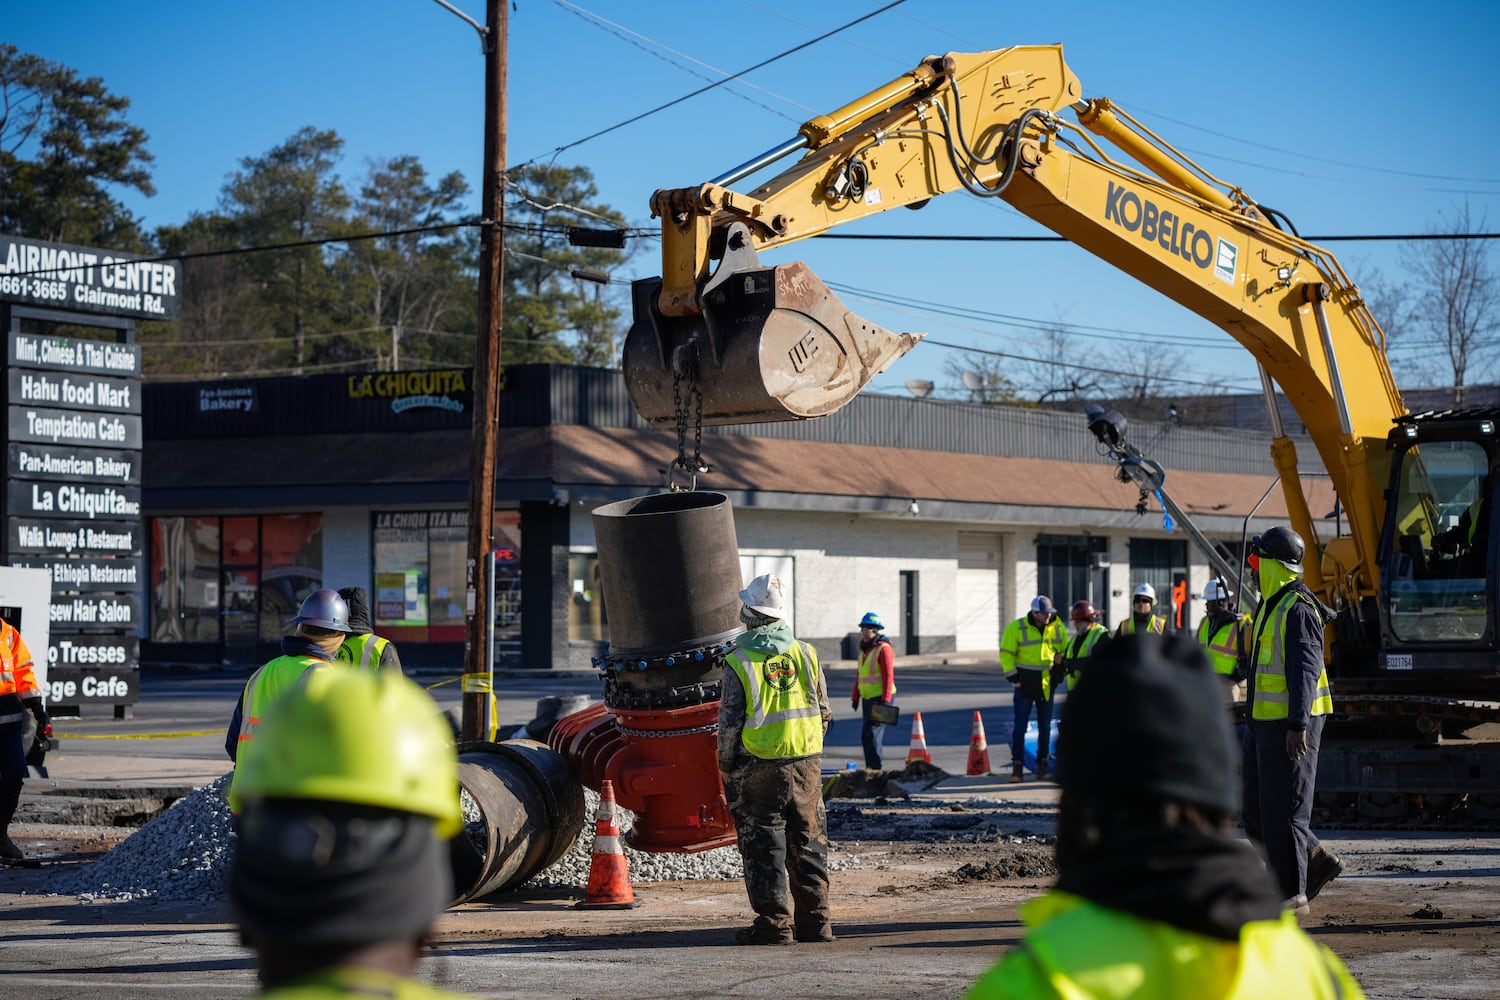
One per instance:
[(945, 518)]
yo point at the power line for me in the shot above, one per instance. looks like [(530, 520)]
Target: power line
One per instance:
[(966, 238), (719, 83)]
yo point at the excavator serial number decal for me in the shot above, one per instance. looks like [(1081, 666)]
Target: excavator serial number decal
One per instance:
[(1167, 230)]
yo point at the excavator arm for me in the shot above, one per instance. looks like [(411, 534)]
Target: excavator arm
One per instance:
[(768, 343)]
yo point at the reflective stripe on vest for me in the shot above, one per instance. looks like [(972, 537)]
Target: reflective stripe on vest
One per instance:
[(1223, 647), (1127, 627), (871, 679), (268, 684), (364, 650), (1086, 950), (1081, 648), (16, 674), (782, 718), (1271, 701)]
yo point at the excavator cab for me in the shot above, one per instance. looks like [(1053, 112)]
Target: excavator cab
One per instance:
[(770, 343)]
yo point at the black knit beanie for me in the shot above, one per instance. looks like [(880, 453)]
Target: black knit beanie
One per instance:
[(1149, 717)]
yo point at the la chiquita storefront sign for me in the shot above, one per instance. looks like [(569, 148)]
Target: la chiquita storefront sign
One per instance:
[(87, 279)]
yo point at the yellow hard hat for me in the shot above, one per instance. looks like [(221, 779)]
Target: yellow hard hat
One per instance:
[(355, 737)]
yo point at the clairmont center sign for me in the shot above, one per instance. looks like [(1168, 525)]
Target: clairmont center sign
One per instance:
[(83, 279)]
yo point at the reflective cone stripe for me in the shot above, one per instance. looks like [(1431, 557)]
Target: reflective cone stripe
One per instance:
[(918, 749), (609, 871), (979, 750)]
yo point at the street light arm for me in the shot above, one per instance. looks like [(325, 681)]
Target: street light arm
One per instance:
[(484, 32)]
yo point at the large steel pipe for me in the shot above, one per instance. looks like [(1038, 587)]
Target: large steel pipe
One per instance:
[(523, 809), (670, 571)]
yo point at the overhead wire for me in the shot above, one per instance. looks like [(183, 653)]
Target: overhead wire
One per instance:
[(719, 83)]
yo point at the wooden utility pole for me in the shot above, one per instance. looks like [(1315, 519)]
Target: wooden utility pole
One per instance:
[(478, 678)]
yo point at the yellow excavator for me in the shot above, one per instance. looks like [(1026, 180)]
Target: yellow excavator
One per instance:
[(721, 338)]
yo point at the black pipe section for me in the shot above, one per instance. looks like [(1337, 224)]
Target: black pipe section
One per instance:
[(523, 810)]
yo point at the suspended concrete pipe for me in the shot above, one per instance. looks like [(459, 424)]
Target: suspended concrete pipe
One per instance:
[(523, 810), (670, 569)]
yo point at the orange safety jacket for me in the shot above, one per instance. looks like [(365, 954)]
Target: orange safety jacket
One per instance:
[(17, 676)]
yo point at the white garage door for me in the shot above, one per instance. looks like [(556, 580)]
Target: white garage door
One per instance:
[(978, 589)]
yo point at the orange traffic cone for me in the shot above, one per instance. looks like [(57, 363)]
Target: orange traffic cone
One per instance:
[(979, 750), (918, 749), (609, 872)]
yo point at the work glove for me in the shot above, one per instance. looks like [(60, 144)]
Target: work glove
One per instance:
[(854, 700), (1296, 744), (39, 713), (1013, 676)]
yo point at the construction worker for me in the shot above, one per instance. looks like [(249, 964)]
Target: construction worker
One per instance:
[(345, 802), (1156, 896), (1142, 601), (322, 624), (1224, 635), (772, 717), (1289, 701), (875, 684), (1086, 635), (19, 696), (1029, 648), (363, 647)]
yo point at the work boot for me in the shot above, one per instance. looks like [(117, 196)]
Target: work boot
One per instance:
[(1043, 773), (1323, 866), (1297, 904), (822, 932), (1017, 774), (755, 935), (8, 848)]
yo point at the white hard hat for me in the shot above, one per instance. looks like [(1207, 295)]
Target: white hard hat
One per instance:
[(1144, 590), (767, 595), (1216, 591)]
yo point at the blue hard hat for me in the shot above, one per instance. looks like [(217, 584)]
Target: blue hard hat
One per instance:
[(872, 620)]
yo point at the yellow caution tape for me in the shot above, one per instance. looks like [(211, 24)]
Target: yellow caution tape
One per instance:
[(477, 684), (135, 736), (439, 684)]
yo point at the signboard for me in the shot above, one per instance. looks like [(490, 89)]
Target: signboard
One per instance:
[(72, 500), (94, 465), (49, 426), (88, 573), (118, 612), (73, 537), (61, 354), (85, 279), (94, 669), (98, 393)]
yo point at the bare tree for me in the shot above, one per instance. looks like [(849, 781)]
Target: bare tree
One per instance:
[(1457, 305), (982, 377)]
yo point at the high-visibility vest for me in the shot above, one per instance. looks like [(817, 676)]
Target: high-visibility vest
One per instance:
[(364, 650), (343, 982), (1127, 627), (1080, 648), (268, 684), (1024, 647), (1223, 646), (1270, 701), (16, 674), (1078, 949), (871, 682), (782, 717)]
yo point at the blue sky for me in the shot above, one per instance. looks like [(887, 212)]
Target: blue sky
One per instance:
[(1356, 118)]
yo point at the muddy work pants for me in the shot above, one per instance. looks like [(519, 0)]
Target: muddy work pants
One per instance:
[(783, 832), (1278, 800)]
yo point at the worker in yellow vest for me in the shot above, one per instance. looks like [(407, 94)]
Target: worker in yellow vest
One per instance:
[(1142, 617), (1224, 635), (1030, 647), (322, 623), (346, 802), (1086, 635), (1156, 897), (1289, 699), (875, 684), (363, 648), (773, 712)]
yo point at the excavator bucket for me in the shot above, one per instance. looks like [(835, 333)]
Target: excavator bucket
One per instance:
[(773, 343)]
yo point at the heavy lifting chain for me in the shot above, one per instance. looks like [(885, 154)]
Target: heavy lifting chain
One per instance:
[(685, 369)]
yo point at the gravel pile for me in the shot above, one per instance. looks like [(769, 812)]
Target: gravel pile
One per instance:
[(183, 854), (573, 868)]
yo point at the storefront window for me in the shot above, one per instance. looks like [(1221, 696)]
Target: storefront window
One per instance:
[(420, 584), (587, 621), (1162, 562), (232, 579)]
